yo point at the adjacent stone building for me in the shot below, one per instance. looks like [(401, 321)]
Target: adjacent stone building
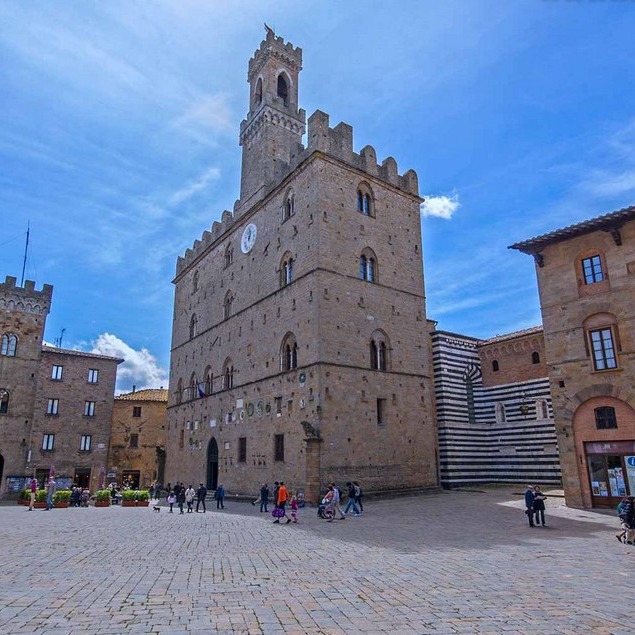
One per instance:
[(494, 409), (137, 442), (586, 279), (55, 404), (300, 346)]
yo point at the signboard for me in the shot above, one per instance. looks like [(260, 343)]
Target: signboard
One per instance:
[(15, 484)]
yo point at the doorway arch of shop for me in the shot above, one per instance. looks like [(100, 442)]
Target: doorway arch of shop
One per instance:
[(212, 464)]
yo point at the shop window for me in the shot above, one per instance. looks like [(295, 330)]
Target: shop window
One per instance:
[(605, 418)]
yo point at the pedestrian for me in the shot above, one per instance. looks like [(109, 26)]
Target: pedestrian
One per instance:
[(358, 496), (171, 500), (627, 518), (33, 490), (151, 490), (189, 498), (281, 502), (220, 496), (294, 507), (180, 499), (529, 504), (351, 500), (201, 495), (335, 503), (51, 488), (539, 506), (264, 497)]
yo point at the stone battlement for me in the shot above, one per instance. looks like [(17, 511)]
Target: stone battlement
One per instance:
[(275, 46), (27, 299), (336, 142)]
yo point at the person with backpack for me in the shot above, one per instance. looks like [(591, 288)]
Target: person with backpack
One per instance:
[(358, 497), (627, 518), (351, 500), (201, 495), (180, 499)]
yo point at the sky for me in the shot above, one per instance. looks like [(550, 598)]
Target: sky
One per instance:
[(119, 141)]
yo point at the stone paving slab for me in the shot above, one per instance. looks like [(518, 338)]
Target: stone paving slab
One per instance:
[(449, 562)]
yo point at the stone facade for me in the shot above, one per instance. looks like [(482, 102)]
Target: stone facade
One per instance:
[(56, 405), (494, 409), (137, 442), (586, 279), (271, 373)]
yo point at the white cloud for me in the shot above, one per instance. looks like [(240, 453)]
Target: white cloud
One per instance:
[(440, 206), (602, 183), (208, 114), (140, 368), (195, 186)]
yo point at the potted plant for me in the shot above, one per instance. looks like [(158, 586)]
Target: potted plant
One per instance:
[(102, 498), (24, 497), (40, 499), (143, 498), (62, 498), (128, 498)]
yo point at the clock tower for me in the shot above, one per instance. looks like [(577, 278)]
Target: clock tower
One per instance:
[(271, 135)]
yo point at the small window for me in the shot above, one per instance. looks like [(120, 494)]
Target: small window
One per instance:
[(48, 441), (195, 282), (535, 358), (179, 392), (193, 326), (181, 439), (603, 349), (56, 373), (229, 256), (605, 418), (288, 209), (136, 411), (84, 444), (365, 203), (227, 305), (134, 440), (289, 353), (4, 401), (381, 412), (258, 92), (283, 89), (52, 406), (228, 375), (278, 406), (89, 408), (242, 449), (592, 269), (286, 270), (368, 266), (93, 376), (9, 345), (495, 366), (379, 351), (279, 447)]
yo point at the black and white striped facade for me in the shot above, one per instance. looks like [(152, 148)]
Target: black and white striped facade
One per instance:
[(495, 434)]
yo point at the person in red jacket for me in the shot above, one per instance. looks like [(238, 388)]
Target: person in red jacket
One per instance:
[(281, 503)]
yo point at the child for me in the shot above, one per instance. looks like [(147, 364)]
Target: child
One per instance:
[(171, 501), (294, 508)]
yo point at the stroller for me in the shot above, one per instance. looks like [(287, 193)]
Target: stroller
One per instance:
[(325, 510)]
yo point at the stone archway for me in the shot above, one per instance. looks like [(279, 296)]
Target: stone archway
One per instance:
[(212, 464)]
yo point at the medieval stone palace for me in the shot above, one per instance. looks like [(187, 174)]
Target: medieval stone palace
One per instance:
[(300, 345)]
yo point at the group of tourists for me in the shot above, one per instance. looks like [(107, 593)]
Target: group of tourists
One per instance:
[(331, 502), (535, 506), (185, 496)]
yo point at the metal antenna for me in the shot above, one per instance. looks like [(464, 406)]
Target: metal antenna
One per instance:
[(26, 249)]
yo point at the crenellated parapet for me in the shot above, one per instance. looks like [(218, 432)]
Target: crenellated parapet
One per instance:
[(274, 46), (338, 142), (26, 299)]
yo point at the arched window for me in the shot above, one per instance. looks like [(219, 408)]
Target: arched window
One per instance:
[(229, 256), (195, 282), (535, 357), (208, 386), (9, 344), (379, 347), (192, 388), (4, 401), (228, 374), (283, 89), (365, 200), (501, 416), (286, 269), (495, 366), (193, 325), (288, 209), (179, 392), (227, 304), (258, 92), (289, 353), (368, 265)]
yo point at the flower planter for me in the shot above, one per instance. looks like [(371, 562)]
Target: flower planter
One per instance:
[(62, 504), (143, 503), (40, 504), (102, 503), (128, 503)]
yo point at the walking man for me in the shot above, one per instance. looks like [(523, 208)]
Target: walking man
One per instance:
[(189, 498), (529, 504), (351, 500), (201, 494), (264, 497), (336, 502), (51, 488), (220, 495), (283, 496), (33, 488)]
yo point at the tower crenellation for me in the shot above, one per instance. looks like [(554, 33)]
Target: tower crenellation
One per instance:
[(25, 298)]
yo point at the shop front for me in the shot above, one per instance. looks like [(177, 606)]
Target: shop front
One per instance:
[(611, 466)]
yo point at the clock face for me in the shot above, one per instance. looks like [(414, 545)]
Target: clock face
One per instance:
[(249, 238)]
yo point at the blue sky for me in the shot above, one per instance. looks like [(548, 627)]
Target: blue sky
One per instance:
[(119, 141)]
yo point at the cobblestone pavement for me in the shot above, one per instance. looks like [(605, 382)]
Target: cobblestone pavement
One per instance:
[(450, 562)]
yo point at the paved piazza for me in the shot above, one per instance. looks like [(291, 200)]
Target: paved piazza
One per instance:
[(450, 562)]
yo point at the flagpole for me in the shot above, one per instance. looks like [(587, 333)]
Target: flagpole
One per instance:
[(26, 249)]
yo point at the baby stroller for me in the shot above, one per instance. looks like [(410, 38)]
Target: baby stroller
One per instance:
[(325, 509)]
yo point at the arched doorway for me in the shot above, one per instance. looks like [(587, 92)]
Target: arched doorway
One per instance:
[(212, 464)]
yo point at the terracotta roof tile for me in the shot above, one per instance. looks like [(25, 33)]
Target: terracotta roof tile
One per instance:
[(148, 394), (67, 351)]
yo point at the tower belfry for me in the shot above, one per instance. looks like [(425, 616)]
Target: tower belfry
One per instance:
[(272, 132)]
